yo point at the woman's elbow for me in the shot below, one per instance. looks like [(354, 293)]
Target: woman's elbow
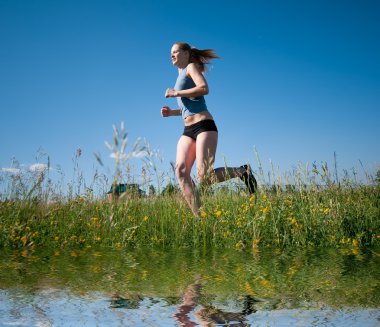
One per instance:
[(205, 90)]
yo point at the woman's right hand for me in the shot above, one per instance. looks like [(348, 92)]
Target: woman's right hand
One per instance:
[(166, 111)]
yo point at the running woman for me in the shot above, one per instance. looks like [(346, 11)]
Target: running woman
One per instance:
[(199, 140)]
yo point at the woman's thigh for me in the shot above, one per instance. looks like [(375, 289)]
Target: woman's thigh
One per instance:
[(206, 145), (186, 153)]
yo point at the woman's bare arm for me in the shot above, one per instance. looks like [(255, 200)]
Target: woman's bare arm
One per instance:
[(200, 88), (167, 112)]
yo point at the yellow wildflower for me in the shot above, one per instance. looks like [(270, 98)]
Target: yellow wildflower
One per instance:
[(345, 240), (24, 240), (218, 213), (355, 251), (145, 218), (355, 243), (292, 270), (239, 245), (265, 210)]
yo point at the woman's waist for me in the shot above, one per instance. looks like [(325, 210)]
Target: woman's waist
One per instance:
[(193, 119)]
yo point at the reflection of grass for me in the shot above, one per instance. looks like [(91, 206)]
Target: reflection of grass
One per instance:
[(335, 216), (277, 279)]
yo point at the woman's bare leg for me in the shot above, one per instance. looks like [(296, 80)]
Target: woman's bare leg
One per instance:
[(243, 172), (206, 145), (205, 153), (225, 173), (186, 153)]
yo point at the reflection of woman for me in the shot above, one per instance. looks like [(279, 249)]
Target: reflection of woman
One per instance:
[(189, 302), (207, 315), (200, 137)]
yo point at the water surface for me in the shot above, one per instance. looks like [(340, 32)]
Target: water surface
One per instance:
[(156, 287)]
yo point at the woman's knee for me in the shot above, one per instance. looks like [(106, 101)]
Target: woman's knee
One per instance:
[(181, 171)]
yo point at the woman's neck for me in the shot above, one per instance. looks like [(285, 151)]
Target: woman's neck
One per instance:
[(181, 67)]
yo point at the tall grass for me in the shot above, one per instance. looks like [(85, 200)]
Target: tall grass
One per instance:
[(331, 217), (304, 208)]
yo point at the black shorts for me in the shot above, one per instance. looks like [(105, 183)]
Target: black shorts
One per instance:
[(194, 130)]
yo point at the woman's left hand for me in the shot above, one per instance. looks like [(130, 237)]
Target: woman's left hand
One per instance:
[(170, 93)]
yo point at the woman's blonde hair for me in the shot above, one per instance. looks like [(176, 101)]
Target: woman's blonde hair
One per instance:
[(200, 57)]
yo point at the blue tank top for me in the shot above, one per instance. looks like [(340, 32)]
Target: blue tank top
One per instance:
[(188, 106)]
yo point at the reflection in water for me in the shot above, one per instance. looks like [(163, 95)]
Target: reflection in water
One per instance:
[(207, 315), (155, 287), (119, 302)]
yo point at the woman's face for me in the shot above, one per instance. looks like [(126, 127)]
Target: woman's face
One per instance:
[(180, 58)]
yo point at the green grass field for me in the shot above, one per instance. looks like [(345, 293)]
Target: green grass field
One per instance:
[(339, 216), (310, 207)]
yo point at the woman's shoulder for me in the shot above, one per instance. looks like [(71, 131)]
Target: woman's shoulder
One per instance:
[(192, 68)]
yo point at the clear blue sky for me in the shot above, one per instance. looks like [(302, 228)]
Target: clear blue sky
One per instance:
[(299, 80)]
